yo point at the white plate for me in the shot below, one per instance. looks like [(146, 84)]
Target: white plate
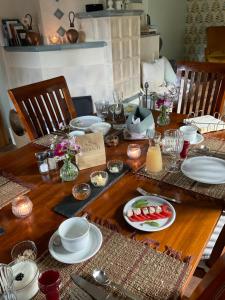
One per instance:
[(205, 169), (198, 139), (84, 122), (62, 255), (163, 223), (76, 133)]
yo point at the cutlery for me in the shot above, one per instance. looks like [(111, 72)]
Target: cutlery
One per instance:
[(91, 289), (145, 193), (101, 278)]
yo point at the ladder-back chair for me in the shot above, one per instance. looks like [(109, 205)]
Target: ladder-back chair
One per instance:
[(202, 88), (42, 106)]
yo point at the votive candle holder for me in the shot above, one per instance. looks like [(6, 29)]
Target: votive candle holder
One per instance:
[(22, 206), (133, 151)]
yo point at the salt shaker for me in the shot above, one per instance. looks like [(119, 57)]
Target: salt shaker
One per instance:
[(52, 164), (42, 162)]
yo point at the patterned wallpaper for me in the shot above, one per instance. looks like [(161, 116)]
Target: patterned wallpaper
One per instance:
[(200, 15)]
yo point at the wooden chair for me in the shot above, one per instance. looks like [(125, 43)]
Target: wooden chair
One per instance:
[(42, 106), (202, 88), (212, 286)]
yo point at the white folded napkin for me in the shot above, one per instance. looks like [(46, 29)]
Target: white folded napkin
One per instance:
[(136, 121)]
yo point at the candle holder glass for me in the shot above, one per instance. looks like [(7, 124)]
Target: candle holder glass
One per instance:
[(134, 151), (22, 206)]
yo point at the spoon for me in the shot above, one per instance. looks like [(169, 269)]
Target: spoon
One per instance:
[(101, 278), (57, 240)]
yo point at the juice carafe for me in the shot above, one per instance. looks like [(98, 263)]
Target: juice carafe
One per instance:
[(154, 156)]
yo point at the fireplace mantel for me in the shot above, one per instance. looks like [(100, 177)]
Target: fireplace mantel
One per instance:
[(41, 48), (109, 13)]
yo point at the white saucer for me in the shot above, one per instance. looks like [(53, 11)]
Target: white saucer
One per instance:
[(198, 139), (62, 255)]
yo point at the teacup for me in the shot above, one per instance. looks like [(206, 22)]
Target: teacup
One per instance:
[(74, 234), (189, 132)]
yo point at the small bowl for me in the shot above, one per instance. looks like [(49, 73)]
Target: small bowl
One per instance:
[(76, 133), (26, 275), (99, 178), (112, 141), (81, 191), (102, 127), (115, 166), (24, 250)]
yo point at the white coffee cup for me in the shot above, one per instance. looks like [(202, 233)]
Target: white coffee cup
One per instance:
[(189, 132), (74, 234)]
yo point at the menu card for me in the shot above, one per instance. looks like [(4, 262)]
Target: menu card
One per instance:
[(92, 150)]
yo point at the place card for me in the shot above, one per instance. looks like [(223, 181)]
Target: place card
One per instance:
[(92, 151)]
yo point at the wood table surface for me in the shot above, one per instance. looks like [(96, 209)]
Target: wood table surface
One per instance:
[(195, 219)]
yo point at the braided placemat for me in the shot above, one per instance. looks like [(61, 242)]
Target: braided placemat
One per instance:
[(46, 140), (217, 191), (10, 188), (137, 266)]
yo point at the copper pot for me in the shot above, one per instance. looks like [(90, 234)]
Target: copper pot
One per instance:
[(72, 35), (33, 38)]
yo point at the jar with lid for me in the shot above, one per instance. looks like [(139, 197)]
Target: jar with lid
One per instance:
[(52, 163), (42, 162)]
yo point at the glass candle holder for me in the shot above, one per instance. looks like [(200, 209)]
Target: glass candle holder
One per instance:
[(134, 151), (22, 206)]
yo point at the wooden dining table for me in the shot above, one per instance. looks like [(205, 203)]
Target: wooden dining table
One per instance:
[(195, 220)]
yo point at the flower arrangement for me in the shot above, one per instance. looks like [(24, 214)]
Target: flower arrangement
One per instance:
[(66, 149)]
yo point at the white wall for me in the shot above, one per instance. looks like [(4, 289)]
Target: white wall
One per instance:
[(11, 9), (169, 16)]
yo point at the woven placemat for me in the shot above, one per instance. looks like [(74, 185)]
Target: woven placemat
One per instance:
[(9, 189), (178, 179), (144, 271), (45, 141)]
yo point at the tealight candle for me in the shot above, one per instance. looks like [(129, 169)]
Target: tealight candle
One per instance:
[(54, 39), (133, 151), (22, 206)]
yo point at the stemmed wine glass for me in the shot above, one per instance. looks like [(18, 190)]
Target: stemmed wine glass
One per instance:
[(173, 144)]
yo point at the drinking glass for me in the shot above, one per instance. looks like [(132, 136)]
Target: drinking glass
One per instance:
[(49, 282), (173, 145), (99, 109)]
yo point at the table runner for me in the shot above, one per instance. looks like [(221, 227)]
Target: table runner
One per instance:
[(10, 188), (147, 273), (178, 179)]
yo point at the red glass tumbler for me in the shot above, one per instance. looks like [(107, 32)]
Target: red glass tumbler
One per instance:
[(49, 282)]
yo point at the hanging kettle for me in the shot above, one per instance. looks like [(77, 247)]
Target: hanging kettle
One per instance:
[(32, 38), (72, 34)]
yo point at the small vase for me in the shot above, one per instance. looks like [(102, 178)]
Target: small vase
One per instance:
[(163, 117), (69, 171)]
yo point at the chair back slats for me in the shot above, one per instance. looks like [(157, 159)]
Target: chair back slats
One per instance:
[(42, 106), (202, 87), (56, 108)]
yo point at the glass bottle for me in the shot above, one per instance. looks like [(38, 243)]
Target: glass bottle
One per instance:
[(52, 163), (42, 162), (154, 155)]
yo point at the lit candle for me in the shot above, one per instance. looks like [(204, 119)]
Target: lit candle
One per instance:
[(22, 206), (54, 39), (133, 151)]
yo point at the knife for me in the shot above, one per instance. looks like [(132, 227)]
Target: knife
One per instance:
[(91, 289), (145, 193)]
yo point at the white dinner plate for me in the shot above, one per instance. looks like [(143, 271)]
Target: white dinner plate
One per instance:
[(84, 122), (152, 200), (62, 255), (205, 169), (199, 138)]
